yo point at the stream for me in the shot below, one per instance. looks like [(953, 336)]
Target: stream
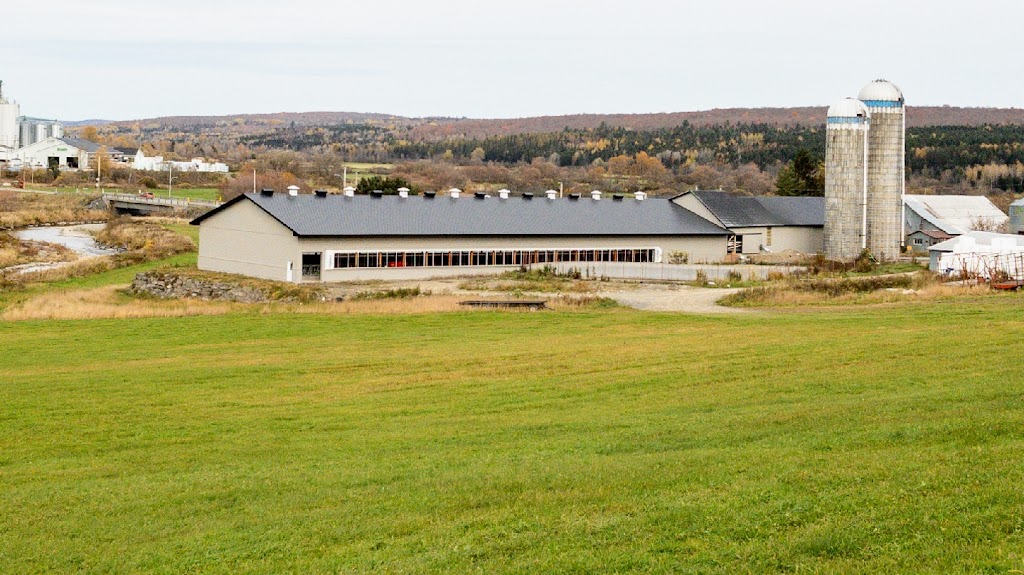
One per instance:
[(76, 238)]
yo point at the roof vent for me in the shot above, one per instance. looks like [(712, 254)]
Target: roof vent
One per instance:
[(552, 194), (293, 190), (527, 195), (503, 193), (403, 192), (479, 195), (454, 192), (641, 196), (266, 192), (574, 196), (617, 197), (320, 193), (349, 191), (429, 195), (596, 195), (377, 193)]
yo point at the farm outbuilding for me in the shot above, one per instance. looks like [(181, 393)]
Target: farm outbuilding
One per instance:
[(952, 215), (321, 237), (769, 224)]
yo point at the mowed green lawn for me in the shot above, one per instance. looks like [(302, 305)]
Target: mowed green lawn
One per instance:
[(878, 440)]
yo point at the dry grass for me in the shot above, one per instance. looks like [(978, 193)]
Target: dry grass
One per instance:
[(790, 295), (110, 302), (151, 239), (15, 252), (21, 209)]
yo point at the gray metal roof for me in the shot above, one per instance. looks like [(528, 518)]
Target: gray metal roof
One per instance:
[(86, 145), (754, 211), (338, 215)]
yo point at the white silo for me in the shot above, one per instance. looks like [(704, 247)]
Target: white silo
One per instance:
[(886, 168), (846, 179), (9, 112)]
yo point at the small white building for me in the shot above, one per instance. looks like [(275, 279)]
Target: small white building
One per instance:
[(158, 164), (953, 215), (979, 254)]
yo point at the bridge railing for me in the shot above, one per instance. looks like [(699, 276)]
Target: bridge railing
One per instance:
[(171, 202)]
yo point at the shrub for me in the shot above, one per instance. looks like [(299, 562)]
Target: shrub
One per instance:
[(678, 258), (149, 183)]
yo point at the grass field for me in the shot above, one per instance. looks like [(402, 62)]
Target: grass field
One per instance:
[(859, 440)]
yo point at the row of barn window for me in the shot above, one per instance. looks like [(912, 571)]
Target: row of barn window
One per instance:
[(343, 260)]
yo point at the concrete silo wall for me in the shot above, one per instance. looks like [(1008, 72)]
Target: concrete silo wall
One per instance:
[(844, 189), (886, 141)]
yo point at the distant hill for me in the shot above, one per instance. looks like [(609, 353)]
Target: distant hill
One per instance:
[(76, 123), (441, 128)]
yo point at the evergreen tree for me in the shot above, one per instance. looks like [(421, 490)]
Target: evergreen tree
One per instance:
[(804, 176)]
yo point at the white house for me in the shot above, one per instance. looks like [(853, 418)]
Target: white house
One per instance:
[(158, 164)]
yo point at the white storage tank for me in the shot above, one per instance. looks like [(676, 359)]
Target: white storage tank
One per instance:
[(846, 179), (886, 167)]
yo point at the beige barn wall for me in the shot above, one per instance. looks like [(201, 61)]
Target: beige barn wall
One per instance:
[(701, 249), (804, 239), (244, 239), (690, 202)]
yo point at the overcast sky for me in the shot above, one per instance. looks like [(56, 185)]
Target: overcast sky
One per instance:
[(115, 59)]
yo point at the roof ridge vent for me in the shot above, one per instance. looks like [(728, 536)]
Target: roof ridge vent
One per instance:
[(293, 190), (595, 195), (479, 195), (320, 193), (455, 192), (377, 193), (429, 195), (574, 196), (349, 191), (527, 195), (617, 197), (503, 193), (640, 196), (266, 192)]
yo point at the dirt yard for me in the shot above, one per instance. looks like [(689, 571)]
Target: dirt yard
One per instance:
[(648, 296)]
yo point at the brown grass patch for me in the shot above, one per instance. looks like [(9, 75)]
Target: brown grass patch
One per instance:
[(107, 303), (21, 209), (789, 295), (154, 240), (110, 302)]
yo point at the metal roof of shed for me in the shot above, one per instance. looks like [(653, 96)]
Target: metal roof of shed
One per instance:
[(339, 215), (956, 215), (736, 211)]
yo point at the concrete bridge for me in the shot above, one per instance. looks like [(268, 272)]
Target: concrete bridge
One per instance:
[(138, 205)]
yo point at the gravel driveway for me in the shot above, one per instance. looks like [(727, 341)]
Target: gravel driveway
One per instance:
[(660, 297)]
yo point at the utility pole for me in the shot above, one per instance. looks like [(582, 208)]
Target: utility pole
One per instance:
[(254, 180), (170, 180)]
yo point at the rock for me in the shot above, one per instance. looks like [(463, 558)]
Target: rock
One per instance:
[(167, 286)]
